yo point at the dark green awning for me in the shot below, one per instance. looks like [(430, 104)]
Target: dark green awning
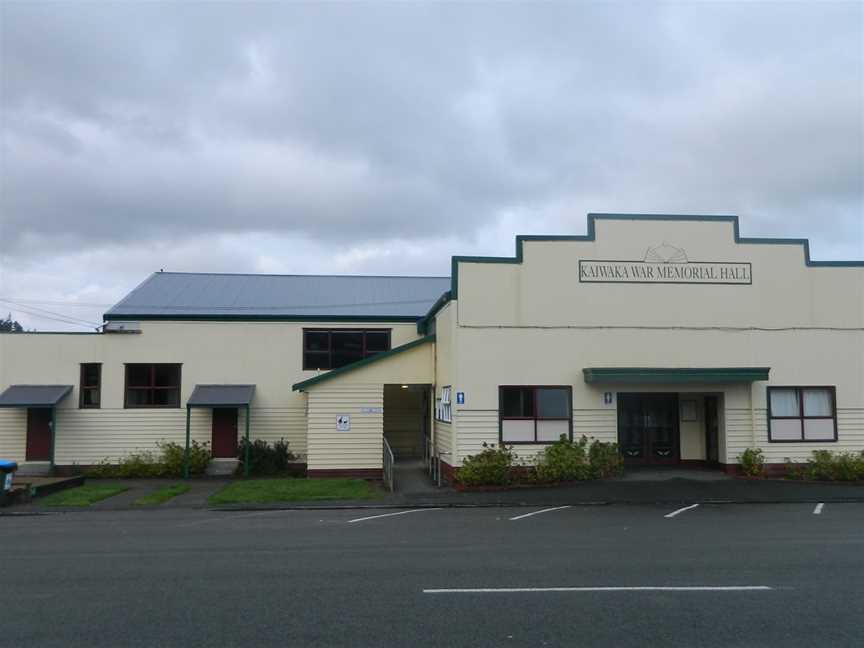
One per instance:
[(675, 375), (221, 396)]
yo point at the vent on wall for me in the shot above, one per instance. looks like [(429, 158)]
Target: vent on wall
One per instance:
[(122, 327)]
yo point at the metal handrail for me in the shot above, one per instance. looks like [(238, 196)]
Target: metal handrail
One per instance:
[(389, 474)]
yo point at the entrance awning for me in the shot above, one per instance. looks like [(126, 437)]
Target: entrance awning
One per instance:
[(674, 375), (221, 396), (34, 395)]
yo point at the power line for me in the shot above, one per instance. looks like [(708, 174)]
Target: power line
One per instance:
[(54, 303), (48, 314), (53, 319)]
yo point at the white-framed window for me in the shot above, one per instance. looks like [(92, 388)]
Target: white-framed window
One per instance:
[(802, 414), (443, 411)]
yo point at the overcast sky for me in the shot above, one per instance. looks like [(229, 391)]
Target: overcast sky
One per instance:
[(384, 138)]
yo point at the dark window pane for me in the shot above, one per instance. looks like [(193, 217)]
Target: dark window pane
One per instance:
[(317, 341), (138, 375), (348, 341), (90, 375), (517, 402), (316, 360), (167, 375), (90, 397), (165, 397), (342, 358), (139, 397), (553, 403), (377, 341)]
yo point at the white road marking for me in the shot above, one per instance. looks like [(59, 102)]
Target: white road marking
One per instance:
[(681, 510), (818, 509), (547, 510), (374, 517), (686, 588)]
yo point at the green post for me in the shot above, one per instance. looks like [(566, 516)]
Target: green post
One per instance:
[(186, 454), (53, 436), (246, 454)]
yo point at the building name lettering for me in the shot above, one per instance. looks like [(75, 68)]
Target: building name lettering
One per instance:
[(649, 272)]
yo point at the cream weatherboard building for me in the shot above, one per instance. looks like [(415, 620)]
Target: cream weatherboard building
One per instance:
[(671, 335)]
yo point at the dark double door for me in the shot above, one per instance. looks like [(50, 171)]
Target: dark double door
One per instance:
[(648, 428)]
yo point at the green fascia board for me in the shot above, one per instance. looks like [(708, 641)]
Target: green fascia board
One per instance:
[(674, 375), (591, 236), (267, 318), (365, 362), (423, 324)]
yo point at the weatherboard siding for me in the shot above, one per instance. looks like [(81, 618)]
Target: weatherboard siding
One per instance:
[(360, 447), (13, 435)]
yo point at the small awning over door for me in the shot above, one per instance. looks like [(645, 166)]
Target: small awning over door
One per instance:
[(674, 375), (221, 396), (34, 395)]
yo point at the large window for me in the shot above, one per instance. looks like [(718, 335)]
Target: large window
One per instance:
[(535, 414), (802, 414), (152, 385), (89, 390), (334, 348)]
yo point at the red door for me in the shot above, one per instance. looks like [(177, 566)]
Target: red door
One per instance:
[(38, 434), (224, 433)]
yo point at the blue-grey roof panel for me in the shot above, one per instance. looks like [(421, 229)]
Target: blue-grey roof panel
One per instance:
[(178, 294), (221, 395), (34, 395)]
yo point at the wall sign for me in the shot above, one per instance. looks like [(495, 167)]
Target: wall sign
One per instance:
[(665, 264), (460, 398), (371, 410), (607, 398), (343, 423)]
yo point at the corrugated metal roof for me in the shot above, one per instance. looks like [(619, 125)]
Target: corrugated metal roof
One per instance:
[(221, 395), (34, 395), (187, 295)]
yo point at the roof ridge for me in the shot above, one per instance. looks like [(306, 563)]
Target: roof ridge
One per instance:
[(319, 276)]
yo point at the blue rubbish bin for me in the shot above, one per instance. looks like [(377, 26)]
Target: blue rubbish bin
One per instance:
[(7, 470)]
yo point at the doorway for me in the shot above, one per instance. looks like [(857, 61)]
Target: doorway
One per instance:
[(224, 443), (38, 434), (648, 432)]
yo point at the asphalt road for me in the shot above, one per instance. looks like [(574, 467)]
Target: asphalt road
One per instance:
[(314, 578)]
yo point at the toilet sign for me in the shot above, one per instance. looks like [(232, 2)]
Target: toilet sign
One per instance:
[(460, 398), (343, 423)]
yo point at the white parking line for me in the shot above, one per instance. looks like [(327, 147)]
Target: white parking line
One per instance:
[(547, 510), (383, 515), (686, 588), (818, 509), (681, 510)]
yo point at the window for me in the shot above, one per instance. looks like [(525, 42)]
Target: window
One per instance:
[(535, 414), (152, 385), (334, 348), (802, 414), (443, 410), (89, 392)]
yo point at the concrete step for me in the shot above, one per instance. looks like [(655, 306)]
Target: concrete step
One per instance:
[(222, 467), (34, 468)]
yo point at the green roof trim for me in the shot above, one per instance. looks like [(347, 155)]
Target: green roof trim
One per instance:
[(441, 302), (674, 375), (591, 236), (365, 362), (264, 318)]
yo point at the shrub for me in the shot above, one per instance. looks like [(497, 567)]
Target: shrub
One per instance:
[(605, 460), (843, 466), (173, 454), (795, 470), (491, 467), (752, 462), (169, 462), (265, 459), (564, 460)]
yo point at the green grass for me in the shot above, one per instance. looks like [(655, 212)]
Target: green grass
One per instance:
[(82, 495), (162, 495), (262, 491)]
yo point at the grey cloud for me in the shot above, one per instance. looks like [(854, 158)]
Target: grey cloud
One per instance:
[(450, 128)]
